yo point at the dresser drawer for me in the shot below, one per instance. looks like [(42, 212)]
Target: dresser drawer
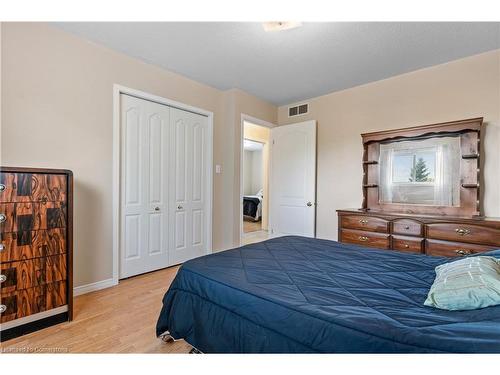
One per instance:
[(464, 233), (453, 249), (31, 273), (32, 187), (407, 227), (369, 239), (368, 223), (32, 244), (408, 244), (21, 303), (23, 217)]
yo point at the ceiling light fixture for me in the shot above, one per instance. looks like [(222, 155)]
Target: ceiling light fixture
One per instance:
[(280, 25)]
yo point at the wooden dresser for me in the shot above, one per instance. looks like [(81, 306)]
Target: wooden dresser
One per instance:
[(36, 249), (446, 236), (447, 228)]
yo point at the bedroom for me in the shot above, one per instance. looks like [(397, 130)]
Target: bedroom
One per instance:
[(123, 184)]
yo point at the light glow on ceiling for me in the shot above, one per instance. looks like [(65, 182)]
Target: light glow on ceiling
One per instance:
[(250, 145), (280, 25)]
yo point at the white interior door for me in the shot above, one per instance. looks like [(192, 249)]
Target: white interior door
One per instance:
[(188, 185), (144, 186), (293, 180)]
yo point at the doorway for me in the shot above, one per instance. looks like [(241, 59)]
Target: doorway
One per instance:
[(254, 180)]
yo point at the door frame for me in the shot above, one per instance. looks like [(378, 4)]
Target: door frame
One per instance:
[(117, 91), (259, 122)]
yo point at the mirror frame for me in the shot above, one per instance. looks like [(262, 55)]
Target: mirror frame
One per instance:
[(469, 132)]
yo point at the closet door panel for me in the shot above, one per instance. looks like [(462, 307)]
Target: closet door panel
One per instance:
[(188, 135), (144, 196)]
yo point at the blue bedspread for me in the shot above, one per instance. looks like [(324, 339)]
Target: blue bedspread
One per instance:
[(299, 295)]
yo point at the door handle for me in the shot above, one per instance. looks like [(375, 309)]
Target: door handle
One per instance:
[(309, 204)]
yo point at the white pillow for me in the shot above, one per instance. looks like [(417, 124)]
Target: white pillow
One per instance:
[(466, 284)]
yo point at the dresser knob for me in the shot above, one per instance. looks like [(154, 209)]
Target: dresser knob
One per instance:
[(363, 238), (2, 308), (2, 218), (3, 278), (463, 252), (407, 227), (462, 232), (406, 246), (2, 187)]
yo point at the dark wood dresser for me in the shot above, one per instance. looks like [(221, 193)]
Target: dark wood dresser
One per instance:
[(449, 229), (36, 249), (446, 236)]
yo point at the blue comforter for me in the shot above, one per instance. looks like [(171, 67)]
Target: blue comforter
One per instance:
[(299, 295)]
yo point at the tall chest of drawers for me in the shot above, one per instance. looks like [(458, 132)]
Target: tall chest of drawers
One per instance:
[(36, 249)]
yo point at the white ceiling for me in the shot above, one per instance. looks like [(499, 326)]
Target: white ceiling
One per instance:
[(289, 66)]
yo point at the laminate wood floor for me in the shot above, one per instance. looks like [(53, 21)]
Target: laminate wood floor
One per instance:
[(251, 226), (120, 319)]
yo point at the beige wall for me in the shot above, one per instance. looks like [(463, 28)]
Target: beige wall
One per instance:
[(261, 134), (57, 112), (460, 89)]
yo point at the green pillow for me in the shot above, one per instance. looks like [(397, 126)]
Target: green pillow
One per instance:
[(466, 284)]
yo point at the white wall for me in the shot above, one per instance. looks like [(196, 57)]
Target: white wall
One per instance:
[(252, 171), (257, 171), (247, 172)]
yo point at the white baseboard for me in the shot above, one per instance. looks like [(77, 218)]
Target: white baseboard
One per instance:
[(92, 287)]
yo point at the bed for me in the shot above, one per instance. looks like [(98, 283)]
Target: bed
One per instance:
[(301, 295), (252, 207)]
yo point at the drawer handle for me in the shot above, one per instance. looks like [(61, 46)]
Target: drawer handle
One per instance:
[(2, 247), (2, 187), (363, 221), (2, 308), (462, 232), (406, 246), (407, 227), (463, 252), (2, 218), (3, 278), (363, 238)]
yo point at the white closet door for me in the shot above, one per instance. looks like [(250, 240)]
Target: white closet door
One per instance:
[(188, 185), (144, 194)]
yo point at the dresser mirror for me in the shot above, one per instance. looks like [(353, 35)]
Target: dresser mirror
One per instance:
[(421, 171), (430, 169)]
